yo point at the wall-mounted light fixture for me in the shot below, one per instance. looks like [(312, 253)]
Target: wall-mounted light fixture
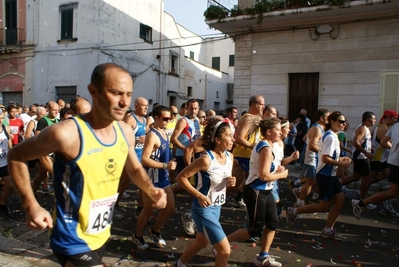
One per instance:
[(325, 28)]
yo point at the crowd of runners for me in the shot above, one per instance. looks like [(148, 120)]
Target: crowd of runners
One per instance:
[(93, 150)]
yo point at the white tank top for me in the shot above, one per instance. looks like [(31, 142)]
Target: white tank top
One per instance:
[(3, 148)]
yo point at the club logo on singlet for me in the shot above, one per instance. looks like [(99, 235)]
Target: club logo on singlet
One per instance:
[(110, 166)]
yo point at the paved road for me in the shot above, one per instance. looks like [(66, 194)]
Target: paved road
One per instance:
[(372, 241)]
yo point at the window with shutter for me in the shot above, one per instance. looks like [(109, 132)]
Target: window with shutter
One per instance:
[(389, 96)]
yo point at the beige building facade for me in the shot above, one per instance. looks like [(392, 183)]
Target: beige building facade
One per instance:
[(338, 58)]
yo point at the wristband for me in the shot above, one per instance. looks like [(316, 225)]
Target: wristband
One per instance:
[(165, 165)]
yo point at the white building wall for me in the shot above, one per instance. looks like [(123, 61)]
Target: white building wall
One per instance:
[(109, 31), (349, 66)]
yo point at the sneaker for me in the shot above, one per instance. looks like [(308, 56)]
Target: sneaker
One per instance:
[(268, 261), (140, 243), (296, 192), (357, 210), (388, 208), (240, 204), (125, 195), (188, 223), (117, 214), (47, 190), (157, 238), (371, 206), (4, 212), (346, 191), (291, 216), (332, 235), (214, 252)]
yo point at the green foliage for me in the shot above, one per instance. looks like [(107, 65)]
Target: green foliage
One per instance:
[(215, 12), (264, 6), (236, 11)]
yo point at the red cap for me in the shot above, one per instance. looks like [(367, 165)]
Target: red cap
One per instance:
[(389, 113)]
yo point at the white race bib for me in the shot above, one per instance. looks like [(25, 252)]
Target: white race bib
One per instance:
[(218, 195), (100, 214)]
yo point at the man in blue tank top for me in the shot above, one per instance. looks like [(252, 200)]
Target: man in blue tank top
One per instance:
[(91, 150), (158, 161)]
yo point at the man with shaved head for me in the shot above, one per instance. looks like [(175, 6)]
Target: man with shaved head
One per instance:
[(80, 105), (139, 126), (45, 162)]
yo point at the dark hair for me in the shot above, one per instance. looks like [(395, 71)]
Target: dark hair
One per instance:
[(367, 115), (332, 117), (302, 117), (321, 113), (157, 111), (64, 111), (268, 108), (230, 109), (98, 75), (11, 106), (192, 100), (268, 124), (183, 105), (208, 138)]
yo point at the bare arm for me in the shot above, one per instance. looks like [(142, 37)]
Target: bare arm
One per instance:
[(314, 136), (29, 129), (199, 164), (343, 162), (265, 160), (60, 137), (194, 147), (9, 139), (386, 142), (356, 142), (242, 131), (178, 129), (138, 175)]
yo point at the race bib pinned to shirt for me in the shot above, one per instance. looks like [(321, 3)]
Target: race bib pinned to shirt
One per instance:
[(100, 214)]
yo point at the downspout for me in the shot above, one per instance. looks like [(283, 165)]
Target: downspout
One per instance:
[(160, 89)]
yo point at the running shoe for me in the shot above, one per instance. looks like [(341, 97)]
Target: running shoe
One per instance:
[(125, 195), (346, 191), (296, 192), (268, 261), (5, 213), (388, 208), (240, 204), (291, 216), (140, 243), (188, 223), (118, 216), (357, 210), (47, 190), (371, 206), (333, 234), (157, 238)]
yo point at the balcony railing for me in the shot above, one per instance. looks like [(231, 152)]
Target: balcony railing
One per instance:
[(11, 37)]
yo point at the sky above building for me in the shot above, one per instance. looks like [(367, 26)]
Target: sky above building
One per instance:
[(190, 14)]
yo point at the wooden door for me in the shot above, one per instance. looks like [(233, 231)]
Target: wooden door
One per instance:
[(303, 93)]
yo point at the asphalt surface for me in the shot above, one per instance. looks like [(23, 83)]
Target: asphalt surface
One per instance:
[(372, 241)]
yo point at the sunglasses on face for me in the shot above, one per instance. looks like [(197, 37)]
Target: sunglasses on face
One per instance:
[(341, 121), (166, 119)]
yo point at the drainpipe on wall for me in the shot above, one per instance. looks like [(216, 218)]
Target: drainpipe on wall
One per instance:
[(206, 89), (160, 87)]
